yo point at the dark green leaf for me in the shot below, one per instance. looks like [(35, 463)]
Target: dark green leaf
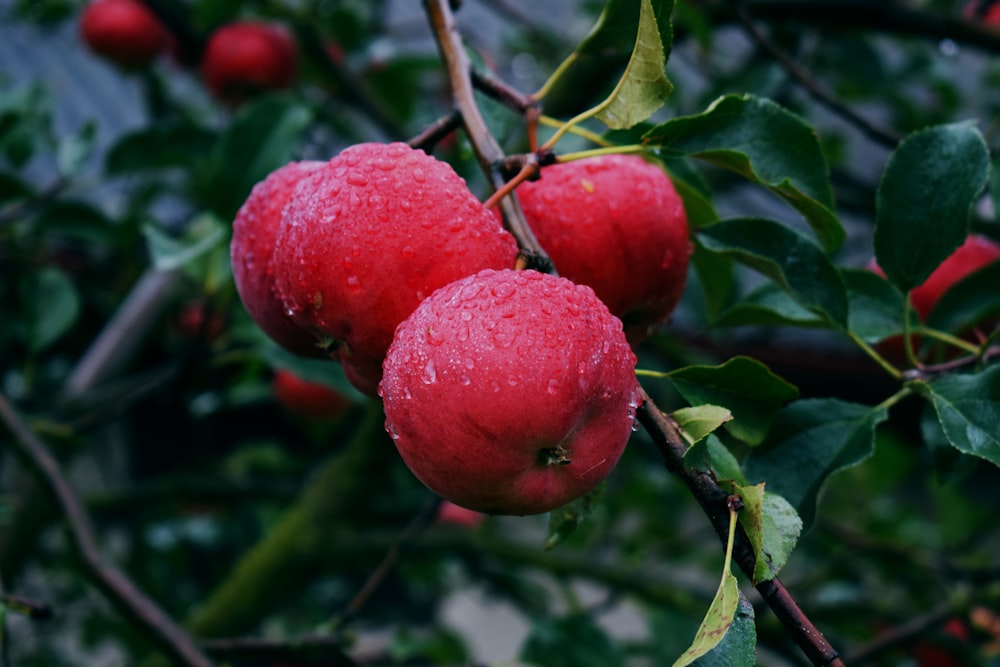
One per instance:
[(738, 647), (74, 150), (56, 308), (973, 300), (923, 200), (764, 143), (694, 192), (768, 305), (773, 527), (745, 386), (205, 233), (968, 407), (715, 277), (876, 307), (159, 146), (811, 440), (712, 454), (314, 370), (785, 256), (572, 640), (261, 138), (13, 188), (564, 521)]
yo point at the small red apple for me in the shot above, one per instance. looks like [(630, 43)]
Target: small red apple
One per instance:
[(451, 513), (617, 224), (312, 400), (368, 236), (255, 231), (510, 392), (125, 32), (197, 319), (247, 57)]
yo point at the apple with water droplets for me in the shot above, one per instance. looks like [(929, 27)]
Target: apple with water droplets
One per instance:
[(369, 235), (510, 392), (617, 224), (255, 231)]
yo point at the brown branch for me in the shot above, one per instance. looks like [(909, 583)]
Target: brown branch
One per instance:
[(135, 606), (709, 495), (429, 137), (867, 127), (487, 150), (713, 500)]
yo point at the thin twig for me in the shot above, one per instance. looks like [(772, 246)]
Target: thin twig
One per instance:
[(488, 151), (713, 500), (904, 635), (870, 129), (143, 612), (429, 137)]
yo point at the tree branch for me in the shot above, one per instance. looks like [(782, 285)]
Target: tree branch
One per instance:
[(143, 612), (708, 494)]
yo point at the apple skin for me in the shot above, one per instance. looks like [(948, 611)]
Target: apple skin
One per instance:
[(366, 238), (975, 253), (617, 224), (308, 399), (451, 513), (247, 57), (125, 32), (255, 231), (510, 392)]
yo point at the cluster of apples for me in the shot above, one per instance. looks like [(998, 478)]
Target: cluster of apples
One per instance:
[(505, 390), (240, 58)]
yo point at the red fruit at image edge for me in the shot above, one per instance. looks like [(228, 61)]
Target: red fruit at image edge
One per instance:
[(247, 57), (255, 231), (368, 236), (975, 253), (308, 399), (617, 224), (510, 392), (123, 31)]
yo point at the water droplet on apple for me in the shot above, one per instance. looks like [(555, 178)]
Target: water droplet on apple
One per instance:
[(503, 339), (391, 430), (407, 252), (430, 373), (434, 336), (356, 178), (353, 283), (553, 386)]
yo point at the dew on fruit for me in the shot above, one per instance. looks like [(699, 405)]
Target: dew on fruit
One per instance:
[(553, 386), (418, 175), (406, 393), (430, 373), (348, 263), (465, 380), (391, 430), (502, 291), (495, 386), (434, 336), (353, 283), (357, 178), (503, 339), (407, 252), (469, 363)]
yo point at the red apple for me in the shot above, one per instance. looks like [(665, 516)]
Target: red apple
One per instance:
[(510, 392), (247, 57), (368, 236), (617, 224), (125, 32), (255, 230), (312, 400)]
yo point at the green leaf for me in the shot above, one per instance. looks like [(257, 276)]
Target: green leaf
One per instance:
[(811, 440), (711, 454), (74, 150), (875, 306), (922, 203), (56, 308), (203, 234), (698, 422), (564, 521), (693, 191), (160, 146), (761, 141), (773, 527), (968, 407), (738, 647), (768, 305), (722, 612), (746, 387), (972, 300), (262, 137), (608, 48), (321, 371), (785, 256), (715, 277), (571, 640), (644, 87)]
